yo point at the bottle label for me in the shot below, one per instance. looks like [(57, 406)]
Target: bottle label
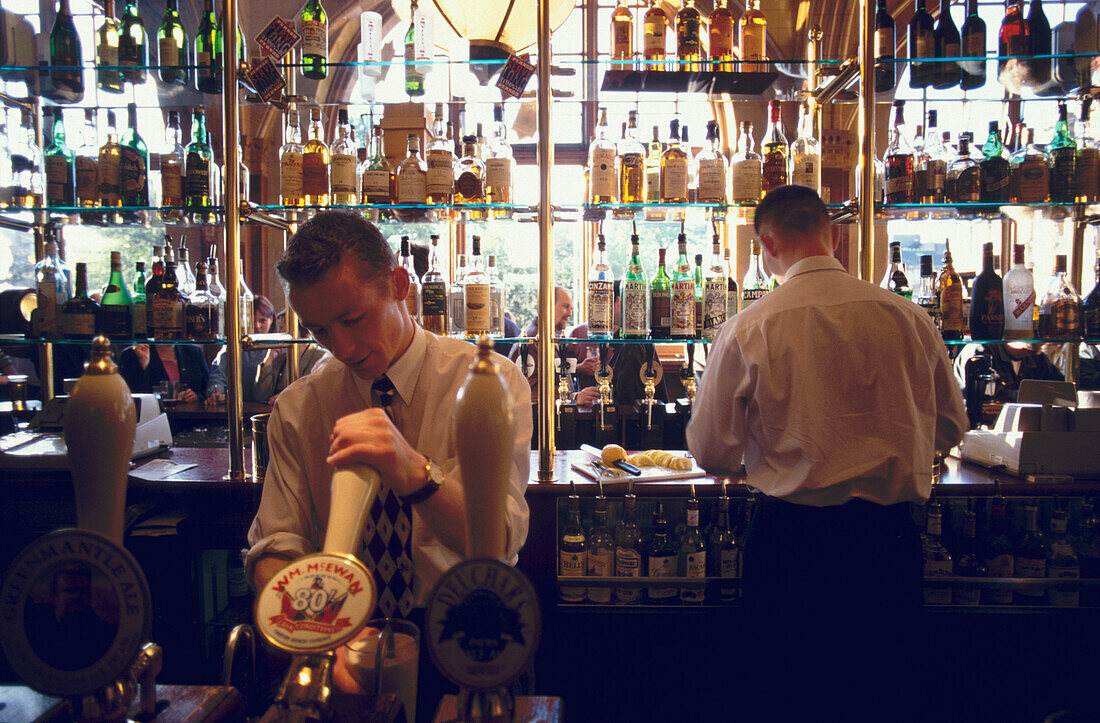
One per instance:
[(441, 179), (498, 177), (653, 186), (1001, 566), (683, 308), (197, 181), (631, 178), (600, 564), (1066, 317), (434, 298), (712, 181), (1088, 174), (477, 308), (1031, 567), (974, 47), (314, 174), (937, 595), (661, 315), (936, 179), (732, 297), (573, 564), (807, 171), (46, 291), (729, 563), (600, 306), (634, 308), (108, 54), (899, 186), (496, 310), (343, 174), (653, 42), (78, 324), (674, 179), (1034, 180), (628, 563), (1021, 309), (468, 186), (290, 175), (140, 322), (622, 39), (166, 316), (132, 178), (57, 180), (412, 187), (1061, 550), (1062, 162), (314, 37), (747, 181), (714, 304), (752, 45), (662, 566), (602, 173), (458, 310), (695, 565), (775, 171), (171, 184), (951, 308), (884, 43), (376, 186), (169, 51), (86, 182), (197, 322), (750, 295)]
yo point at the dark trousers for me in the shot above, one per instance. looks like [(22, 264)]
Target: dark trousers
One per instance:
[(833, 597)]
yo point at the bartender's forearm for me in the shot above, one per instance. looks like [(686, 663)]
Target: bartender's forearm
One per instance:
[(445, 514), (266, 568)]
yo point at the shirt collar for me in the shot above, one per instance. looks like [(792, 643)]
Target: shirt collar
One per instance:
[(813, 263), (403, 371)]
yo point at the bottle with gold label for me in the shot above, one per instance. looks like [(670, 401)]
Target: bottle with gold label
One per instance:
[(655, 36), (622, 37), (469, 182), (949, 290), (721, 36), (631, 163), (344, 190), (412, 175), (689, 38), (653, 177), (674, 168), (316, 161), (774, 150), (603, 185), (475, 295), (713, 170), (752, 38), (441, 161), (171, 172), (290, 161)]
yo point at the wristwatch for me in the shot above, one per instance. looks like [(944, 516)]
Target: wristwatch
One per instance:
[(435, 481)]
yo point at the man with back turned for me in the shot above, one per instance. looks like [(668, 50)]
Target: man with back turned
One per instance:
[(836, 394)]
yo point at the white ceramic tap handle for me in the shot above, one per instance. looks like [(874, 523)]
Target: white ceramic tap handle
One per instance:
[(353, 490)]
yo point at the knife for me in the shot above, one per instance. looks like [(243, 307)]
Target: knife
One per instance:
[(621, 464)]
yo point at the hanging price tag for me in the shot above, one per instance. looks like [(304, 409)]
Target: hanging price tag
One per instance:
[(514, 76), (266, 80), (278, 38)]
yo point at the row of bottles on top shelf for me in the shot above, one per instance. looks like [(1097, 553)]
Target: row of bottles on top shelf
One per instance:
[(960, 538), (173, 303)]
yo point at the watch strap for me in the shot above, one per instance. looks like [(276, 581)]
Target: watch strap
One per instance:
[(430, 488)]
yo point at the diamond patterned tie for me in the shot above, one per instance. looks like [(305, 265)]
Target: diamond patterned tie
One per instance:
[(388, 533)]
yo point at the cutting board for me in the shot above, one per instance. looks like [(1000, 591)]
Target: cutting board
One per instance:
[(649, 474)]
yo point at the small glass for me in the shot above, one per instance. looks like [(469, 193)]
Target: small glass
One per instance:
[(259, 446)]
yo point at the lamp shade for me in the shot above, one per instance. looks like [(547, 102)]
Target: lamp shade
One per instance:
[(508, 25)]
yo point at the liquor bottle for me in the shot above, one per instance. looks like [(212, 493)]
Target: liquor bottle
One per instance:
[(116, 308), (693, 555), (635, 296), (689, 37), (601, 552), (1019, 298), (654, 36), (755, 283), (197, 188), (723, 553), (1013, 47), (950, 293), (629, 546), (899, 160), (208, 51), (937, 560), (1090, 307), (631, 163), (721, 24), (133, 44), (994, 168), (1086, 543), (674, 168), (948, 45), (622, 37), (733, 296), (183, 269), (895, 280), (715, 287), (496, 299), (172, 166), (661, 558), (660, 295), (1030, 180), (139, 320), (441, 162), (60, 168), (1000, 559), (922, 44), (217, 296), (973, 48), (1031, 557), (1059, 313), (78, 315), (1041, 41), (28, 189), (774, 150), (199, 312), (1087, 167), (713, 170), (456, 301), (752, 37), (469, 181), (601, 164), (964, 176), (166, 305), (290, 161), (412, 299), (376, 174), (475, 295), (682, 293), (173, 47), (987, 300), (806, 152), (414, 73), (967, 556), (315, 163), (572, 552), (1063, 159), (886, 75), (313, 27), (434, 294), (52, 287), (499, 165), (932, 164), (344, 188), (653, 177), (245, 300), (746, 169), (920, 168), (66, 71), (108, 73), (133, 169), (152, 285), (601, 288), (700, 284), (1062, 562)]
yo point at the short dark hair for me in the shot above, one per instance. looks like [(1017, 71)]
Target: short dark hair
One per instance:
[(321, 243), (794, 210), (262, 305)]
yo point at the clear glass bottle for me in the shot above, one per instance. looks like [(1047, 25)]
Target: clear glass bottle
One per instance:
[(895, 279), (632, 158), (108, 73), (217, 294), (53, 287), (456, 300), (290, 161), (964, 175), (1062, 562), (601, 552), (713, 171), (475, 295), (752, 38), (806, 152), (602, 181), (601, 283), (499, 166), (434, 294), (653, 212), (925, 295), (693, 555), (183, 269), (899, 160), (469, 182), (937, 560), (674, 168), (1059, 312), (1030, 168), (412, 175), (440, 159), (682, 293), (198, 313), (572, 553), (316, 162), (345, 190), (746, 169), (629, 546), (774, 150), (932, 164), (660, 300), (496, 299), (172, 166), (755, 283), (733, 294), (622, 37), (107, 171), (412, 299)]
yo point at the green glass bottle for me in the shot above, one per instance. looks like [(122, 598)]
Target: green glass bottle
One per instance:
[(66, 75), (60, 168), (1063, 160), (414, 76), (108, 75), (208, 56), (995, 168), (635, 296), (197, 198), (698, 296), (133, 45), (116, 307), (141, 320), (683, 293), (313, 27), (173, 48), (660, 300), (133, 170)]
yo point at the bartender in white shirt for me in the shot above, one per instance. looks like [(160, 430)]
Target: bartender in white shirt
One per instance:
[(836, 394)]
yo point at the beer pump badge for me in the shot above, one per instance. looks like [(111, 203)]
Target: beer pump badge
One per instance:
[(482, 622), (316, 603)]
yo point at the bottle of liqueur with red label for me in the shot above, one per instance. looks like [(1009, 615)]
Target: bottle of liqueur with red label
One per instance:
[(660, 294), (635, 296), (693, 555), (968, 559), (1090, 307), (682, 291), (1030, 181), (973, 48), (1019, 290), (995, 168), (937, 560), (774, 150), (661, 559), (601, 552), (1013, 47), (964, 175), (313, 27), (116, 307), (987, 308), (78, 314), (950, 293), (1087, 177), (629, 548), (622, 36), (1000, 558), (197, 191), (948, 45), (572, 553), (1059, 314), (933, 164), (1031, 557), (1063, 160), (899, 160), (885, 68), (601, 165), (922, 44), (600, 294), (133, 169)]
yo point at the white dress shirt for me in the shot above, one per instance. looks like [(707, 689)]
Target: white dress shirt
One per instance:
[(831, 389), (294, 508)]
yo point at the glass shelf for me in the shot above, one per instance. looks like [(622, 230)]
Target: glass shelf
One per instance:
[(680, 340), (969, 211), (997, 58), (110, 209), (1065, 340), (18, 339)]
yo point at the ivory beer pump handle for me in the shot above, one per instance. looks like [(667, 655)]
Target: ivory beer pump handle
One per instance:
[(354, 487)]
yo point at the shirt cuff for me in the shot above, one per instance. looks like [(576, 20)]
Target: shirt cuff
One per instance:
[(279, 544)]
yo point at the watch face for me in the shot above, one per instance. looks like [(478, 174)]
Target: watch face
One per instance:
[(435, 473)]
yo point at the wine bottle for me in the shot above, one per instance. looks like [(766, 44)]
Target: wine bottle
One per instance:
[(973, 47), (66, 72), (108, 74), (987, 311), (1041, 42), (208, 51), (133, 45), (173, 48), (116, 307), (948, 45), (197, 191), (922, 44), (313, 27), (886, 76)]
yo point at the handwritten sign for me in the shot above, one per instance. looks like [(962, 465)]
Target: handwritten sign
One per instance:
[(278, 38), (514, 76)]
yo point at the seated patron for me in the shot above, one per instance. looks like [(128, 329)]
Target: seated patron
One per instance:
[(144, 367)]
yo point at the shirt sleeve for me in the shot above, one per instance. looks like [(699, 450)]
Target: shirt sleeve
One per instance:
[(717, 431), (951, 419)]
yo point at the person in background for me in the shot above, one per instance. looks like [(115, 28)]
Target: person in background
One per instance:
[(836, 396), (145, 367), (1013, 362), (563, 310)]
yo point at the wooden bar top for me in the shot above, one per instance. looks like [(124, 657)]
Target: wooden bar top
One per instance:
[(175, 704)]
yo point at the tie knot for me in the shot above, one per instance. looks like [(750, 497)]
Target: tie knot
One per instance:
[(385, 390)]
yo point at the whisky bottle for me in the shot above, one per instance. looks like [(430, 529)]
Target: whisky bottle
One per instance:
[(496, 299), (994, 168), (166, 305), (925, 295), (752, 38), (932, 164), (721, 25), (457, 303), (774, 150), (66, 71), (1059, 313), (806, 152), (133, 170), (713, 171), (572, 553), (53, 287), (108, 73), (217, 296), (674, 168), (733, 296), (441, 162), (344, 189), (173, 47), (469, 181), (922, 44), (700, 285), (948, 45), (433, 312), (715, 288), (629, 546), (1090, 307), (87, 182), (1062, 562), (316, 162), (653, 212), (198, 313), (1031, 557), (661, 559), (313, 27), (973, 48), (1063, 160), (140, 319), (689, 38), (937, 560), (601, 165), (133, 45), (1000, 558), (886, 74), (1030, 171), (197, 187), (950, 293), (635, 296), (475, 296), (78, 315), (499, 164), (746, 169), (723, 553), (964, 175), (622, 37), (682, 293), (968, 559), (660, 305), (601, 283), (755, 283), (987, 301), (208, 51), (290, 161), (1019, 298), (1087, 176), (655, 36), (60, 168), (412, 299), (172, 166), (601, 552), (899, 161), (693, 555), (631, 163), (894, 280), (376, 173)]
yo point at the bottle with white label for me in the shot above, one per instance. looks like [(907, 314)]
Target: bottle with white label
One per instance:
[(290, 161), (456, 300), (601, 291), (313, 27), (713, 170), (475, 295), (635, 296), (1062, 562), (1031, 557), (499, 163), (682, 293), (602, 176), (693, 555), (53, 287), (343, 152), (661, 559), (723, 553), (715, 289), (733, 296), (1019, 298), (441, 162), (412, 175), (746, 169), (601, 552), (755, 283), (572, 553), (629, 546), (937, 560), (496, 299), (674, 168), (805, 152), (412, 299)]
